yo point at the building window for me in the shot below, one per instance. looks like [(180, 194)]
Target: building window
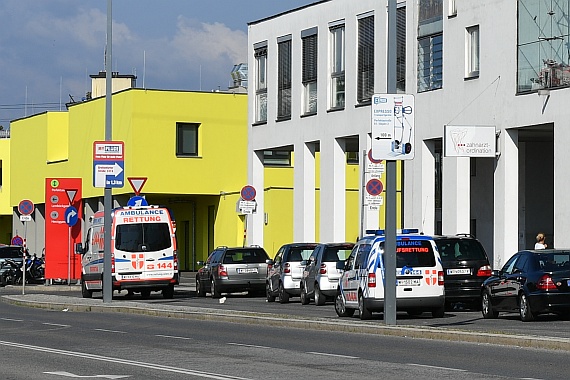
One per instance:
[(365, 59), (187, 139), (543, 57), (261, 83), (337, 66), (452, 10), (401, 49), (309, 38), (430, 45), (430, 63), (284, 78), (472, 52), (276, 158)]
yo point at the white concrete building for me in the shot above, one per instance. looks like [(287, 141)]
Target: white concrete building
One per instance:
[(469, 64)]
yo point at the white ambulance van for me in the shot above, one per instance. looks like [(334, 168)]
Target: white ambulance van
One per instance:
[(143, 252), (419, 276)]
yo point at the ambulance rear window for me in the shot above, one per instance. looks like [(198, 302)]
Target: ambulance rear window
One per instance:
[(142, 237), (414, 253)]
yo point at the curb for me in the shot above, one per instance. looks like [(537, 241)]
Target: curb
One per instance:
[(234, 316)]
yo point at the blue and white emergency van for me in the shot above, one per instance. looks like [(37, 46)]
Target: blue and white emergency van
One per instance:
[(419, 276), (143, 251)]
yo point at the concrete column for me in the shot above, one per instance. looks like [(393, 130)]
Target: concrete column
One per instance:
[(304, 193), (256, 179), (456, 195), (506, 199), (333, 191)]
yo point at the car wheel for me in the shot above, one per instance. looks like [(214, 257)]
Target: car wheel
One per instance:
[(214, 290), (268, 295), (320, 298), (340, 307), (168, 292), (364, 312), (283, 295), (145, 293), (487, 308), (200, 290), (439, 312), (524, 309), (85, 293), (304, 297)]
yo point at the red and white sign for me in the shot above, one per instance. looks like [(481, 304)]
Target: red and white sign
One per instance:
[(137, 183)]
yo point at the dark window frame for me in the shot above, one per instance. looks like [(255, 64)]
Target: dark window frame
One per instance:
[(181, 130)]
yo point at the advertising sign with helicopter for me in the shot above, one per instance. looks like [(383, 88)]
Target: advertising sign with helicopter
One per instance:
[(393, 126)]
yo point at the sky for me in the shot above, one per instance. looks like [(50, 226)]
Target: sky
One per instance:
[(48, 48)]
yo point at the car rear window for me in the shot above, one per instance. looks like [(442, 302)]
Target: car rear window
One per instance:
[(245, 257), (336, 254), (553, 261), (10, 253), (460, 249), (299, 254), (414, 253)]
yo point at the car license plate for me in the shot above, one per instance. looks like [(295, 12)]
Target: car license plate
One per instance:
[(409, 282), (247, 270), (459, 271)]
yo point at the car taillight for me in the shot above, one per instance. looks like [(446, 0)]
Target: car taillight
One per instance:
[(112, 263), (545, 283), (175, 261), (440, 277), (484, 271), (371, 280), (222, 271), (287, 268), (323, 269)]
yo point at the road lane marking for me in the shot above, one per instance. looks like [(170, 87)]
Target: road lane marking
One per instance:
[(247, 345), (68, 374), (172, 337), (334, 355), (111, 331), (55, 324), (12, 320), (436, 367), (154, 366)]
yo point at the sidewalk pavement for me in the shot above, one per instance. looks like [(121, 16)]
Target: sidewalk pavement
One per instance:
[(41, 296)]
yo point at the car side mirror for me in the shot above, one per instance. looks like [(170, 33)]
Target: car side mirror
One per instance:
[(269, 262), (495, 272), (201, 263)]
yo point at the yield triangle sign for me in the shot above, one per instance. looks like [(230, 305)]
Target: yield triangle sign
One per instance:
[(71, 195), (137, 183)]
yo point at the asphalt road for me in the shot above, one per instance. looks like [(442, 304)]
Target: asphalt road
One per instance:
[(44, 344)]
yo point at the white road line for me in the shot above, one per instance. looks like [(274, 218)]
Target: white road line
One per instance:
[(436, 367), (55, 324), (247, 345), (334, 355), (172, 337), (12, 320), (154, 366), (111, 331)]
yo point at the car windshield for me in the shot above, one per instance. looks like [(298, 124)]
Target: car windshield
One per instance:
[(245, 257), (460, 249), (10, 253)]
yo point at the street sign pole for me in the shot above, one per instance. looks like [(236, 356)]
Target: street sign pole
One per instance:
[(390, 243), (107, 201)]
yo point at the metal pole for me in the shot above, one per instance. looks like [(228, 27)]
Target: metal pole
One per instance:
[(24, 261), (107, 202), (390, 243), (69, 257)]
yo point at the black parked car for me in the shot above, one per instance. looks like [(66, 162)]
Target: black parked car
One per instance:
[(229, 270), (531, 282), (465, 267)]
